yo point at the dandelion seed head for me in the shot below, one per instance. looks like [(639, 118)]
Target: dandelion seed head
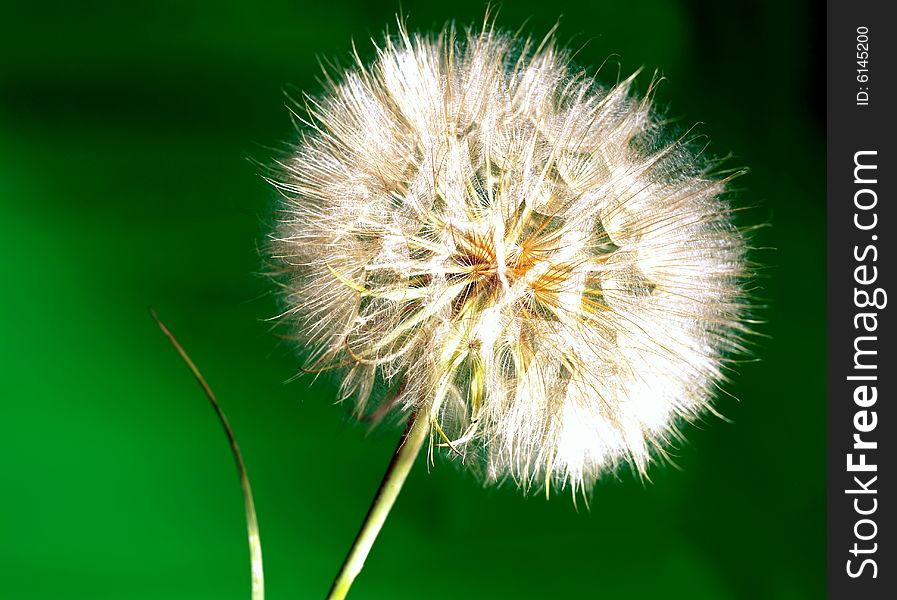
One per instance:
[(549, 274)]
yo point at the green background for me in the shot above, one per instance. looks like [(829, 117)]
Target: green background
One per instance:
[(124, 182)]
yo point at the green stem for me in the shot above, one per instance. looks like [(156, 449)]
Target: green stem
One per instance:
[(409, 445), (252, 525)]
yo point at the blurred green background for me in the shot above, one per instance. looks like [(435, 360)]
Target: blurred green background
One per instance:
[(124, 182)]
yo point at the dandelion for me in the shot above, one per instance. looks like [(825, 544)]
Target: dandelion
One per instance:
[(524, 261)]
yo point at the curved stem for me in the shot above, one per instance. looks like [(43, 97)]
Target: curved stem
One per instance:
[(409, 445), (252, 525)]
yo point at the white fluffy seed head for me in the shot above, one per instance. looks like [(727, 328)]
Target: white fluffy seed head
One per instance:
[(513, 250)]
